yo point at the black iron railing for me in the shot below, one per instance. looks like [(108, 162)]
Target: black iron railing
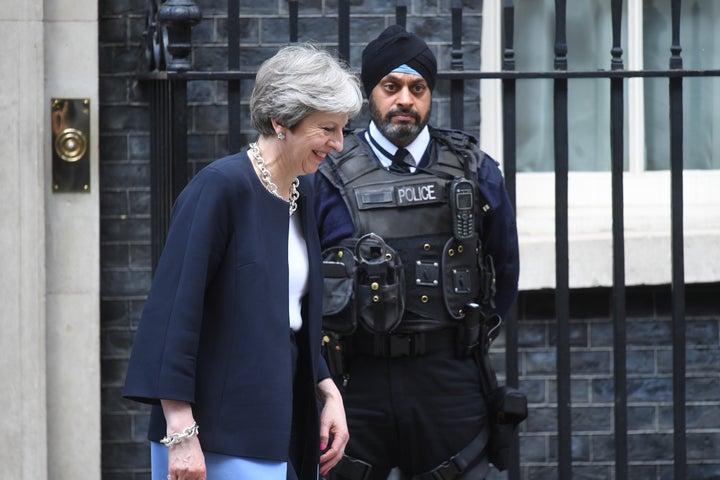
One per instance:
[(169, 53)]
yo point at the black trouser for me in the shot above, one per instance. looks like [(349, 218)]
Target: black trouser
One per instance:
[(411, 412)]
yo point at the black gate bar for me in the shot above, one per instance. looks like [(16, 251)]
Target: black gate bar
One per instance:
[(234, 140), (344, 30), (617, 126), (562, 283), (168, 150), (678, 256), (510, 171), (401, 13), (457, 86), (161, 153), (293, 16)]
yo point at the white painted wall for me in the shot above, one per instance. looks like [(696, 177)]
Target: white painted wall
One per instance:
[(23, 451), (73, 255)]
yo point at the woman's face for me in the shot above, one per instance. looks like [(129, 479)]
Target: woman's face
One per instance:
[(312, 139)]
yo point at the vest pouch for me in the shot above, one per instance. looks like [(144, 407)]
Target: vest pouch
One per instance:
[(461, 276), (380, 285), (339, 290)]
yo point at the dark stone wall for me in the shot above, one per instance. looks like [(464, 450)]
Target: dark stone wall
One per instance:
[(126, 255), (649, 382), (124, 229)]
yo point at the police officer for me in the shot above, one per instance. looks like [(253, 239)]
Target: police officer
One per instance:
[(420, 219)]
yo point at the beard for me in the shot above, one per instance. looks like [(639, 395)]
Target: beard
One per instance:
[(398, 133)]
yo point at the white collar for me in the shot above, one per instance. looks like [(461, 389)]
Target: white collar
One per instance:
[(416, 148)]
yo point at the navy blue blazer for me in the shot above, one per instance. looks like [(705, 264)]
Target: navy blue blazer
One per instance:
[(215, 330)]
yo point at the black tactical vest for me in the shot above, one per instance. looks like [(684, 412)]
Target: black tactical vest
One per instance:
[(412, 213)]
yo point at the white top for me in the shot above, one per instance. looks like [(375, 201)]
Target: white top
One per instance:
[(298, 269)]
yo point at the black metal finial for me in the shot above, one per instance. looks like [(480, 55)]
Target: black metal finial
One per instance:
[(675, 49), (561, 48), (293, 18), (179, 17), (509, 23), (456, 62), (401, 13), (616, 63)]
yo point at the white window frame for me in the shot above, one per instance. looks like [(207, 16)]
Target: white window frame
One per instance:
[(646, 194)]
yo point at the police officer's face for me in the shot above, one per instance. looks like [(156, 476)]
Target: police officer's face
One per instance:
[(400, 106), (313, 138)]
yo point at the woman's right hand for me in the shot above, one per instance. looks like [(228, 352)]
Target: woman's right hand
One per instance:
[(185, 459)]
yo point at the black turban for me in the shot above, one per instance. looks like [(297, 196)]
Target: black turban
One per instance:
[(395, 47)]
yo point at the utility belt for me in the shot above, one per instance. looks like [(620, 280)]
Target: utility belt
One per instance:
[(402, 344)]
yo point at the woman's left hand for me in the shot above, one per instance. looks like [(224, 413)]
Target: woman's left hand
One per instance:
[(332, 423)]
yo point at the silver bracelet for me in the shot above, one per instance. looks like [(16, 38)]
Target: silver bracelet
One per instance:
[(176, 438)]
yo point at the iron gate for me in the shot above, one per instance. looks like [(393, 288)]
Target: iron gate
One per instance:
[(169, 50)]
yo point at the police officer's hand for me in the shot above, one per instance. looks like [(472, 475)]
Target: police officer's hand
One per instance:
[(334, 433)]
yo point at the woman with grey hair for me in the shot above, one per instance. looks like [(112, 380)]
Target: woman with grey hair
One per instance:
[(228, 345)]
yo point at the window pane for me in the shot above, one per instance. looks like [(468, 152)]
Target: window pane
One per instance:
[(534, 34), (701, 95), (589, 39)]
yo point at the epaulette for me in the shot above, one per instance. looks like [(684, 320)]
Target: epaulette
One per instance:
[(462, 144)]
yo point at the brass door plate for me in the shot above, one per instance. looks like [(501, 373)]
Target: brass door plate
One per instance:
[(70, 127)]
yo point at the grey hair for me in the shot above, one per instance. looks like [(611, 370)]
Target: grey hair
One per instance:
[(300, 80)]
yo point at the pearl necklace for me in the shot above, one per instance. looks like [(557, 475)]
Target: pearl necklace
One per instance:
[(267, 179)]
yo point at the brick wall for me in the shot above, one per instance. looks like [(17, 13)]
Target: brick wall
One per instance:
[(125, 254), (649, 383), (125, 229)]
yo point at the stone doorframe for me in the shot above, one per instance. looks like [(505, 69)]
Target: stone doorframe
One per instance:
[(49, 245)]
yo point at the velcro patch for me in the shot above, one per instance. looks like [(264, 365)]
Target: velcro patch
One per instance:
[(417, 193), (390, 195)]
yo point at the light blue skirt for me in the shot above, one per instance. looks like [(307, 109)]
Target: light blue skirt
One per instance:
[(221, 467)]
